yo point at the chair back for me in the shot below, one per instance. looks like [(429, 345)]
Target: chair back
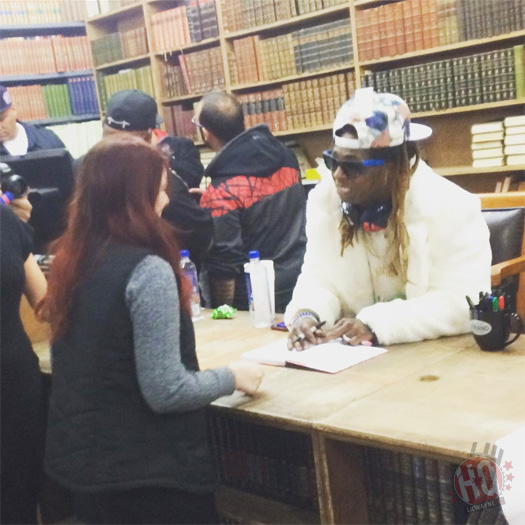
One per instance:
[(505, 216)]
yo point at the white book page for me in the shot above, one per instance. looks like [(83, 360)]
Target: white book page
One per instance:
[(329, 357)]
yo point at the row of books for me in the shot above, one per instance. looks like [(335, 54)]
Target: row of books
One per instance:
[(137, 78), (255, 59), (44, 54), (245, 14), (499, 143), (106, 6), (183, 25), (196, 72), (78, 137), (476, 79), (405, 488), (76, 97), (15, 12), (298, 105), (118, 46), (411, 25), (271, 462)]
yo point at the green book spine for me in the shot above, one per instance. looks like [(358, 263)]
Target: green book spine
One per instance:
[(47, 101)]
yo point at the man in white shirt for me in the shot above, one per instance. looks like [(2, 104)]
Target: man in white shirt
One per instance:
[(19, 138)]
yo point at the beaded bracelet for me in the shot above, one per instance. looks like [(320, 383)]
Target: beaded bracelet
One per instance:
[(304, 313)]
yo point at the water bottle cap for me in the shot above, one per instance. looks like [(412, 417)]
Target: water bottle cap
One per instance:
[(184, 253), (254, 254)]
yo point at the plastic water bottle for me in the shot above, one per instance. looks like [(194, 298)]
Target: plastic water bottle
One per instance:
[(259, 293), (190, 271)]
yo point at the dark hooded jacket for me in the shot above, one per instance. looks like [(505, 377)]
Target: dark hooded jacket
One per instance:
[(257, 203)]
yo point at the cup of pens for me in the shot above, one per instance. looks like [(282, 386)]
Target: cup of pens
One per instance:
[(492, 323)]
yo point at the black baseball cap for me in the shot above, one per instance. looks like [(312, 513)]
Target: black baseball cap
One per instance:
[(132, 110)]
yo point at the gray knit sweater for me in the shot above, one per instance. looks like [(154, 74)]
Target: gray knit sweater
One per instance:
[(167, 386)]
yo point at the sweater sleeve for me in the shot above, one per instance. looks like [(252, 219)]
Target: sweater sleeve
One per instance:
[(166, 384)]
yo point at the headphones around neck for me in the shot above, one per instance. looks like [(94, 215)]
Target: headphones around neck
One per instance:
[(372, 218)]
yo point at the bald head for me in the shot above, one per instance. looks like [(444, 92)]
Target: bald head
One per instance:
[(221, 114)]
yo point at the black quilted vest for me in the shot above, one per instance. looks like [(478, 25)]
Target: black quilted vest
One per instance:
[(101, 433)]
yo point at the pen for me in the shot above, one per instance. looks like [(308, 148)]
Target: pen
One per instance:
[(300, 337)]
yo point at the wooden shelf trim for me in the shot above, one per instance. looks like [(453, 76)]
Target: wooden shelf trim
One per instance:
[(464, 109), (116, 13), (443, 49), (191, 96), (209, 42), (51, 28), (233, 503), (65, 120), (300, 131), (291, 78), (456, 171), (46, 76), (296, 20), (123, 62), (372, 3)]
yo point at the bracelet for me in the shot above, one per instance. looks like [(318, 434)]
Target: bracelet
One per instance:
[(304, 313)]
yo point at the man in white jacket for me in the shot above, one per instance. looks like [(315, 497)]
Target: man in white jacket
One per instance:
[(393, 248)]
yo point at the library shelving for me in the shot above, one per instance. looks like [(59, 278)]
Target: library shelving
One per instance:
[(279, 56), (47, 66)]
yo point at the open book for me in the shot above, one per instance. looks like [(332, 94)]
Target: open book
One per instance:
[(329, 357)]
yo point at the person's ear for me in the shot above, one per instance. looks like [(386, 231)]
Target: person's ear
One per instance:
[(205, 134), (148, 136)]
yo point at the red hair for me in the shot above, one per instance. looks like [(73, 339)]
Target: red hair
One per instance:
[(114, 201)]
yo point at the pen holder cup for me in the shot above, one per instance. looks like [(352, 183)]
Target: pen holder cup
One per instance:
[(492, 330)]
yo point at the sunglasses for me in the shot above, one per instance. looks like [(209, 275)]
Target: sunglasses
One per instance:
[(351, 168), (195, 122)]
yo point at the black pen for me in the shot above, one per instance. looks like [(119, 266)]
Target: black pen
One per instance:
[(300, 337)]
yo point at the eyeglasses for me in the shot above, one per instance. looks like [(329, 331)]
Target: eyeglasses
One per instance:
[(196, 122), (351, 168)]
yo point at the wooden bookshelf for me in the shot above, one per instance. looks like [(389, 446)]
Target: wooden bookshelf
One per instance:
[(454, 122), (456, 171)]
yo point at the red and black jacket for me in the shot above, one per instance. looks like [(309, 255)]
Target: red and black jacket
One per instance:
[(257, 203)]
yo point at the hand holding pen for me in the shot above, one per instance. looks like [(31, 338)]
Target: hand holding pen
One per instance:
[(305, 332)]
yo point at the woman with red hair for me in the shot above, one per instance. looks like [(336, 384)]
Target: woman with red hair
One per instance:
[(127, 429)]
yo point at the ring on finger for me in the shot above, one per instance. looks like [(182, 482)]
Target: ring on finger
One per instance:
[(346, 338)]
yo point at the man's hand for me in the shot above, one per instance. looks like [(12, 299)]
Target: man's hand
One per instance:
[(22, 208), (352, 331), (304, 333)]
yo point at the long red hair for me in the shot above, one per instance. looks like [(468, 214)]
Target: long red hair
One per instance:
[(114, 201)]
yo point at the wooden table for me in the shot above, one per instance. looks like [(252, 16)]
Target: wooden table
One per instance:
[(434, 398)]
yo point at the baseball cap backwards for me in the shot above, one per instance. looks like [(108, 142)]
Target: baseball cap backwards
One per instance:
[(131, 110), (376, 120), (5, 99)]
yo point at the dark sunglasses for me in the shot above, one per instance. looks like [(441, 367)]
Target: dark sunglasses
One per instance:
[(351, 168)]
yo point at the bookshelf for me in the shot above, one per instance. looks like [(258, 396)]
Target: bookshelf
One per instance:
[(247, 41), (47, 67)]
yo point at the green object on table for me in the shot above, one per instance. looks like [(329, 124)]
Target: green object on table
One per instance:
[(224, 312)]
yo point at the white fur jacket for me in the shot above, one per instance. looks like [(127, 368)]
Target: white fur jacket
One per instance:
[(449, 257)]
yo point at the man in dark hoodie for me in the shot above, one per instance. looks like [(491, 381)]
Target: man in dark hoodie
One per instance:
[(256, 200)]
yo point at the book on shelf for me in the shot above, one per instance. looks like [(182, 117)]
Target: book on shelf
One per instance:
[(516, 160), (487, 127), (513, 140), (517, 149), (487, 153), (513, 121), (488, 137), (489, 163), (515, 130), (486, 145), (327, 357)]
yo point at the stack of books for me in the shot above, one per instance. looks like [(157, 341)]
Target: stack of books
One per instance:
[(487, 144), (117, 46), (514, 140)]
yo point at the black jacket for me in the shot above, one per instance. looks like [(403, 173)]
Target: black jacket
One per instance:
[(185, 159), (257, 203), (102, 435), (38, 138)]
